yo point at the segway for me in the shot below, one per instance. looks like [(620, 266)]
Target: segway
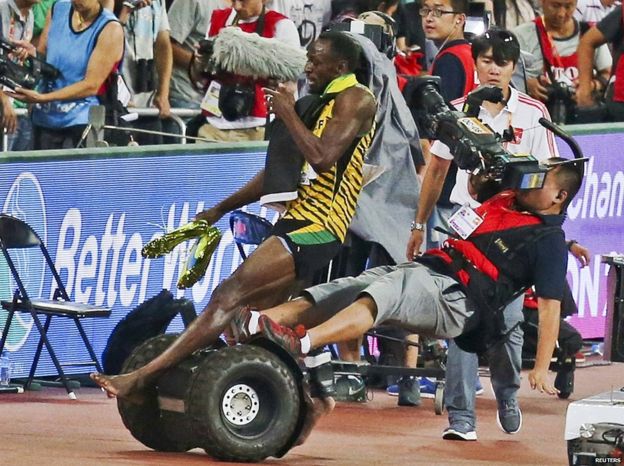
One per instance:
[(239, 403)]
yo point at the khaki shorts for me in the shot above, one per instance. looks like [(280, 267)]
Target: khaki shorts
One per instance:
[(409, 295), (231, 135)]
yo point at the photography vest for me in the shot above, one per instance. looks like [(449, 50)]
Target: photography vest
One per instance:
[(264, 27), (463, 52), (486, 264), (618, 86), (554, 64)]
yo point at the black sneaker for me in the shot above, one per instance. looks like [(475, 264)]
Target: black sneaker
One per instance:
[(460, 430), (409, 391), (509, 416)]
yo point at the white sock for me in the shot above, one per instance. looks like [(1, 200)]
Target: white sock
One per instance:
[(253, 322), (305, 344)]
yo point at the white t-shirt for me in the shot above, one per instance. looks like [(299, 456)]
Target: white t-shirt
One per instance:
[(592, 11), (310, 16), (141, 31), (523, 113), (286, 32)]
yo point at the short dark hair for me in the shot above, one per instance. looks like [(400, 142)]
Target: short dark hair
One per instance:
[(504, 45), (343, 47), (460, 6), (569, 177)]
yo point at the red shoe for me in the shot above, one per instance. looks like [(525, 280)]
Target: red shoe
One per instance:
[(239, 325), (285, 337)]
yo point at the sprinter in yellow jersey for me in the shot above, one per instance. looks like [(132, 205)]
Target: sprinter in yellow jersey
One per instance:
[(309, 234)]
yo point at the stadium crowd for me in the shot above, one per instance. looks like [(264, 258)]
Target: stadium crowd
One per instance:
[(161, 39)]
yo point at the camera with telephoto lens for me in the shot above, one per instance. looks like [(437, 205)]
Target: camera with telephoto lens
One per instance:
[(475, 147), (26, 75)]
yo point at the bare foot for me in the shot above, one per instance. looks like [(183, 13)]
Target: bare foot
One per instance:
[(317, 407), (124, 386)]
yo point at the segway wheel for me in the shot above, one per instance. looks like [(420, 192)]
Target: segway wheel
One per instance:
[(438, 400), (244, 404), (143, 420)]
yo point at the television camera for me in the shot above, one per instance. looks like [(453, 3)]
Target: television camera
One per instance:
[(25, 75), (474, 145)]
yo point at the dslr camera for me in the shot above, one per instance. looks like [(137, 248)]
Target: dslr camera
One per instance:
[(560, 102), (26, 75)]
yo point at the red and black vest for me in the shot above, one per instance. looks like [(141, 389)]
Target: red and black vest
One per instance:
[(463, 52), (218, 21), (618, 86), (554, 64), (487, 264)]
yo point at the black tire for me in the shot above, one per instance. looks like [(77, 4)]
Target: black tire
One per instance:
[(564, 382), (264, 384), (572, 447), (143, 420)]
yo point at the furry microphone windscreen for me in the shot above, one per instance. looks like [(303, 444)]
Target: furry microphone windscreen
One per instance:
[(248, 54)]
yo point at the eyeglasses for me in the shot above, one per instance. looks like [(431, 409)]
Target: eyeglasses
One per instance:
[(437, 13), (500, 34)]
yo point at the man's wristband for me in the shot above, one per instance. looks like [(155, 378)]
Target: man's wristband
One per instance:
[(417, 226), (571, 243)]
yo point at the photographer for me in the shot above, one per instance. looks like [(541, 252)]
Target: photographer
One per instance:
[(85, 43), (147, 62), (234, 107), (495, 54), (553, 40), (16, 26), (611, 30)]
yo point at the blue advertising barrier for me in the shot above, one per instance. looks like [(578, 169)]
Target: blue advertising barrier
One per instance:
[(95, 209), (595, 220)]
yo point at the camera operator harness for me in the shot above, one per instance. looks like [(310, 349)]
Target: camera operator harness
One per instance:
[(478, 149)]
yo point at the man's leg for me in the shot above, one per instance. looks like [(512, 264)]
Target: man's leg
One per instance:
[(459, 393), (505, 360), (268, 270)]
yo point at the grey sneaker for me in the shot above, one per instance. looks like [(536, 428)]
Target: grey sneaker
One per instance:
[(409, 391), (509, 416), (460, 430)]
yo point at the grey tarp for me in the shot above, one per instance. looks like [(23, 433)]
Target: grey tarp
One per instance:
[(388, 204)]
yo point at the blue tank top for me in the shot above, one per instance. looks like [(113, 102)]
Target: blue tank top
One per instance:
[(69, 51)]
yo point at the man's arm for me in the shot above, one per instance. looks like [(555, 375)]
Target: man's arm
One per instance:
[(588, 44), (181, 55), (353, 114), (547, 333), (249, 193), (164, 64), (429, 194), (8, 119)]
